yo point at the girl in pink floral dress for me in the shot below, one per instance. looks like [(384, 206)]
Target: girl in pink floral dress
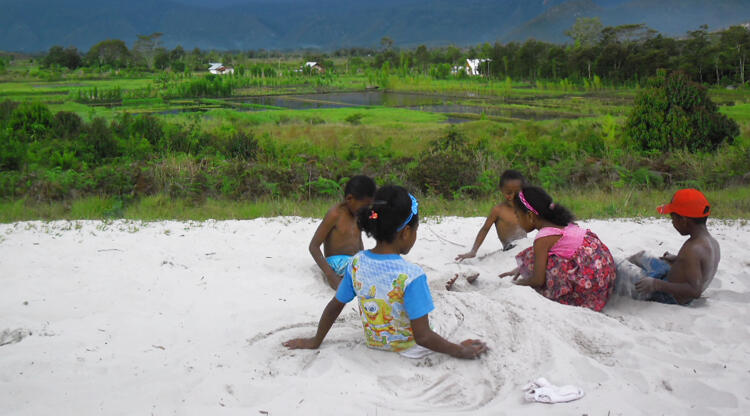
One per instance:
[(567, 264)]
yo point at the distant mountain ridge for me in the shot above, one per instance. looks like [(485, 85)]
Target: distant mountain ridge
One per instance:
[(35, 25)]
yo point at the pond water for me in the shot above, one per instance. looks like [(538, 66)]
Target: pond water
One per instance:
[(344, 99), (454, 107)]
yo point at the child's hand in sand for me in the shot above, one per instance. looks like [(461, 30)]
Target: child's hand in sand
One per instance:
[(471, 348), (301, 344), (647, 285), (464, 256), (515, 273)]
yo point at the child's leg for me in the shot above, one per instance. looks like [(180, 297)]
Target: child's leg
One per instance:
[(626, 276), (652, 266), (663, 297)]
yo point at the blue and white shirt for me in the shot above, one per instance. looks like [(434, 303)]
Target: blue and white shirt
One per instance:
[(391, 293)]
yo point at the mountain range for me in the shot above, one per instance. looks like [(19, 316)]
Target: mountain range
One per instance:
[(35, 25)]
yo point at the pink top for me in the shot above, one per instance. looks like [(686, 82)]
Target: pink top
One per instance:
[(572, 238)]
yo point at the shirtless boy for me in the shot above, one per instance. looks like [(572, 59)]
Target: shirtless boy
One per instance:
[(502, 216), (338, 233), (686, 275)]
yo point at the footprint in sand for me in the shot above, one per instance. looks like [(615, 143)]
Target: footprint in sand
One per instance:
[(11, 337)]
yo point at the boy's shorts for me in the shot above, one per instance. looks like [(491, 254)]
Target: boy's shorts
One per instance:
[(651, 267), (658, 269), (339, 263)]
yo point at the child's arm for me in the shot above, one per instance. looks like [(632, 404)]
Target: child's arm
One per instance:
[(541, 254), (330, 313), (426, 337), (325, 227), (481, 235), (686, 269)]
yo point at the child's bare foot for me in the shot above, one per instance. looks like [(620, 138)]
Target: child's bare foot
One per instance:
[(637, 258), (469, 278), (450, 283)]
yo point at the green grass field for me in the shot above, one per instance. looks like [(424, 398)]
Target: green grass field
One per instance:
[(544, 111)]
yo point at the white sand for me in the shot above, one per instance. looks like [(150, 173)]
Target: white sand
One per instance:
[(188, 318)]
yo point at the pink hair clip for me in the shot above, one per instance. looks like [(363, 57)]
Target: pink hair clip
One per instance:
[(374, 215)]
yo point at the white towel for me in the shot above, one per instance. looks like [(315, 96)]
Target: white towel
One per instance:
[(543, 391), (416, 352)]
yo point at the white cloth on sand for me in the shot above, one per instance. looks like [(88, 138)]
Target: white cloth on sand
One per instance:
[(416, 352), (543, 391)]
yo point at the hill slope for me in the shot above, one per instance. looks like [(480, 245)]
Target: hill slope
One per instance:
[(35, 25)]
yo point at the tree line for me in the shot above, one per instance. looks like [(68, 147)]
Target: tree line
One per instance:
[(615, 54)]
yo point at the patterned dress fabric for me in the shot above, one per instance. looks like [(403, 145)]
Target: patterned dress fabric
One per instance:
[(587, 278)]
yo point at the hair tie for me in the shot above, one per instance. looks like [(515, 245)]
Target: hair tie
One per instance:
[(414, 211), (374, 215), (551, 206)]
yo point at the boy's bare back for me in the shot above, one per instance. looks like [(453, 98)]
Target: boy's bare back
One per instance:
[(695, 264), (345, 236)]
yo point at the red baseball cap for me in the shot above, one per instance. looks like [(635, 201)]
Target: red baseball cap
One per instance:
[(687, 203)]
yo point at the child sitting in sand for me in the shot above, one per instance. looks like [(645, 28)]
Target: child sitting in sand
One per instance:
[(502, 216), (393, 296), (339, 233), (677, 279), (567, 264)]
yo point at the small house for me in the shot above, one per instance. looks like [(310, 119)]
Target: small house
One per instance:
[(315, 67), (473, 66), (219, 69)]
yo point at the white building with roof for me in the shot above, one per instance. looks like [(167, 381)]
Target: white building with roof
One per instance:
[(219, 69)]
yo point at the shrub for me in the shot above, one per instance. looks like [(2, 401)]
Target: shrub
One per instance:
[(6, 109), (354, 118), (674, 113), (99, 138), (66, 125), (447, 166), (148, 127), (242, 145), (324, 187), (31, 121), (12, 150)]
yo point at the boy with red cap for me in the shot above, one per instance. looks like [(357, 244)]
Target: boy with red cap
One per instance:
[(678, 279)]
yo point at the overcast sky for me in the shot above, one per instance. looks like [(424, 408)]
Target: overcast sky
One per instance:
[(219, 3)]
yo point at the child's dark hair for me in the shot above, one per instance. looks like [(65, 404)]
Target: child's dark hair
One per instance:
[(390, 208), (512, 175), (542, 203), (360, 187)]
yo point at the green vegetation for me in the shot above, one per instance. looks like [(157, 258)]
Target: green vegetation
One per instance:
[(123, 138), (730, 203), (673, 113)]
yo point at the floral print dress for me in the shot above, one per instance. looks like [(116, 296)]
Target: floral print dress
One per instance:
[(580, 268)]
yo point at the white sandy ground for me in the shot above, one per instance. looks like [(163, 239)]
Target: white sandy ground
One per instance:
[(128, 318)]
